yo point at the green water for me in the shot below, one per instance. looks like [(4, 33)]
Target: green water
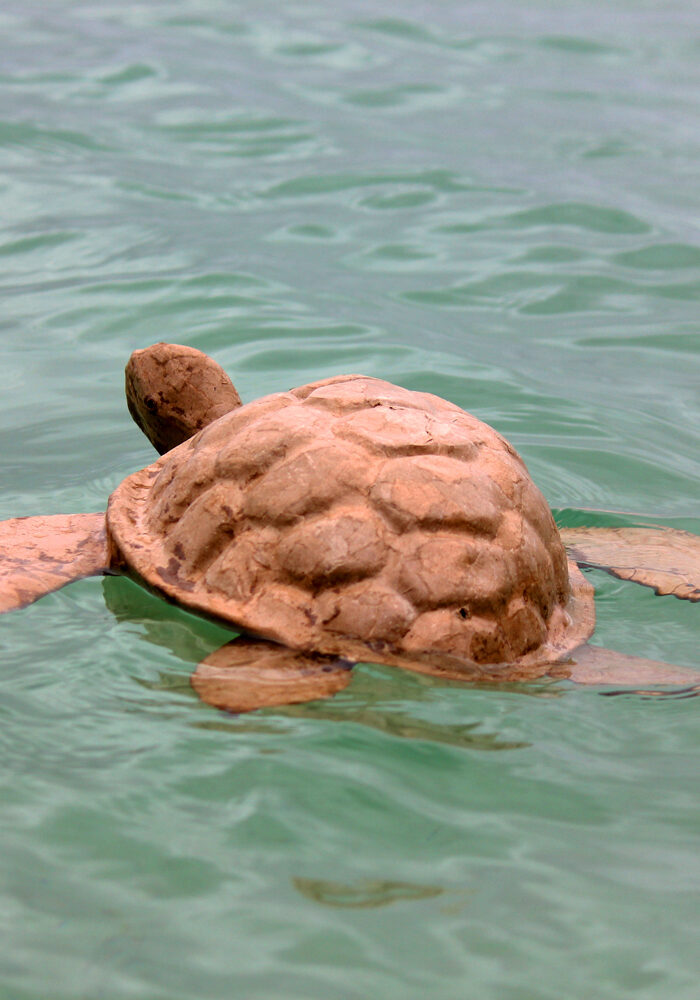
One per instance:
[(495, 202)]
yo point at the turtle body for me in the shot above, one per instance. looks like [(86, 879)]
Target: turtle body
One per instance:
[(357, 518), (345, 520)]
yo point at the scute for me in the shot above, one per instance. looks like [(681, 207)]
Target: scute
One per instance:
[(353, 516), (333, 548), (306, 482), (437, 491)]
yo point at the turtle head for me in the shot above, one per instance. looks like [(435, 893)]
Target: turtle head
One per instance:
[(173, 391)]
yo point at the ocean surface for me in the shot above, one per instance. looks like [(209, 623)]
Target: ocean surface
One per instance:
[(497, 202)]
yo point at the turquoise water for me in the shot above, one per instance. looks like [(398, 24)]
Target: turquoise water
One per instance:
[(495, 202)]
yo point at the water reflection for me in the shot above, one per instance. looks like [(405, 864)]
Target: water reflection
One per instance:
[(376, 699), (364, 894)]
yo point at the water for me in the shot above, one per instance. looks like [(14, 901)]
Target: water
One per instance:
[(496, 202)]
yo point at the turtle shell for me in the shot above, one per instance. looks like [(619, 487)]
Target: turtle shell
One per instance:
[(357, 518)]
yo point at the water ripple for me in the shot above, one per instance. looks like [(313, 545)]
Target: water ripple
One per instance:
[(493, 202)]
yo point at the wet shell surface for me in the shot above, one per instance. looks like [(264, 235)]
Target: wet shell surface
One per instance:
[(354, 517)]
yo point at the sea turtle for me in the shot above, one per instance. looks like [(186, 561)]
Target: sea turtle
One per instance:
[(346, 520)]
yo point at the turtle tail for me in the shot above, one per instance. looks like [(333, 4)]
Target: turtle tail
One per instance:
[(41, 554)]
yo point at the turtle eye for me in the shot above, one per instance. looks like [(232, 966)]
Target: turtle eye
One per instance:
[(151, 404)]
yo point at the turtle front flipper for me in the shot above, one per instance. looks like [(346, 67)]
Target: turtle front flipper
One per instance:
[(41, 554), (246, 674), (666, 559), (595, 665)]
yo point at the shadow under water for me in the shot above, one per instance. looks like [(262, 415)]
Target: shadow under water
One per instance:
[(364, 894), (372, 700), (239, 674)]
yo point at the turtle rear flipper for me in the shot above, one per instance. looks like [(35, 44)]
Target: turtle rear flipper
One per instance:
[(247, 674), (41, 554), (595, 665), (666, 559)]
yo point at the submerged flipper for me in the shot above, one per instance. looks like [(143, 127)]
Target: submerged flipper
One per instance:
[(666, 559), (246, 674), (41, 554), (595, 665)]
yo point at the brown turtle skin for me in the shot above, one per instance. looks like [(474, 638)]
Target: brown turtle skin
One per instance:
[(354, 518), (172, 391)]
